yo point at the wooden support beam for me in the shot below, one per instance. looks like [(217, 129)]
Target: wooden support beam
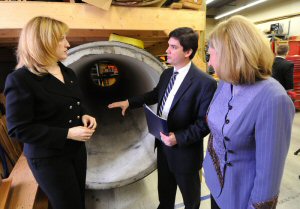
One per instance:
[(88, 23), (106, 33), (4, 191), (84, 16), (199, 58), (158, 48), (9, 37)]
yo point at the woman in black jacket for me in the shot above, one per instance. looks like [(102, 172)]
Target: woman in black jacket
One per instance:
[(45, 112)]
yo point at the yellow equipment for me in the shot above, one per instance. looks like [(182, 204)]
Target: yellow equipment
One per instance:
[(132, 41)]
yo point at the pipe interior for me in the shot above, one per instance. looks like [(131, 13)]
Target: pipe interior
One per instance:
[(121, 150)]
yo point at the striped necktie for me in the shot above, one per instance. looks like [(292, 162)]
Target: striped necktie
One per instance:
[(168, 90)]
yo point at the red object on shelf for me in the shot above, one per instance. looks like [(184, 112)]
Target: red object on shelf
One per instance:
[(294, 38), (297, 104), (296, 60), (292, 94), (294, 44), (294, 47)]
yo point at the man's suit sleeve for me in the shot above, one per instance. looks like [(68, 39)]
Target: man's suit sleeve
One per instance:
[(148, 98), (199, 129)]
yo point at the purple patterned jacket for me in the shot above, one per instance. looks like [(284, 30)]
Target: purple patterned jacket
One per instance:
[(250, 137)]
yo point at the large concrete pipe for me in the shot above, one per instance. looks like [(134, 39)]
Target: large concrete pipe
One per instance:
[(121, 150)]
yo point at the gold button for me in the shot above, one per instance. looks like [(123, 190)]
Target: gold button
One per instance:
[(78, 117)]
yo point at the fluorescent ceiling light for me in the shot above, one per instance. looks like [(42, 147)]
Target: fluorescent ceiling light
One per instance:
[(240, 8), (209, 1)]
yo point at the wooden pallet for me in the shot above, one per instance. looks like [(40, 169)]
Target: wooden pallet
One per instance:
[(4, 191), (12, 148)]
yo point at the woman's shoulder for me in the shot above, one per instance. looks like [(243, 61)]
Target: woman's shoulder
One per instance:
[(269, 86), (20, 78), (272, 86), (273, 92), (19, 73)]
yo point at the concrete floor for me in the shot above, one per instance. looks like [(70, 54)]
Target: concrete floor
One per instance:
[(143, 194)]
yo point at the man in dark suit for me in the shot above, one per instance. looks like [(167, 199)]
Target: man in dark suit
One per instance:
[(183, 94), (283, 70)]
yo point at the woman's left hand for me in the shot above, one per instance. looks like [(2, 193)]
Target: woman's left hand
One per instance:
[(89, 122)]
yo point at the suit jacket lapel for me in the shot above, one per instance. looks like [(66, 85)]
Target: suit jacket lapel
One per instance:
[(67, 89), (186, 83)]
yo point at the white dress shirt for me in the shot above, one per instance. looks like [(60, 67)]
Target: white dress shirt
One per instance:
[(179, 78)]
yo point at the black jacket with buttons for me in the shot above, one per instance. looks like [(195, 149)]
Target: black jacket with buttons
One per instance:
[(41, 109)]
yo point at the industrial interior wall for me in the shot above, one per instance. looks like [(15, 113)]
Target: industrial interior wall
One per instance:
[(273, 9), (290, 26), (268, 10)]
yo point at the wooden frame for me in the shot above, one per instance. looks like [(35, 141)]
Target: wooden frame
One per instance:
[(89, 23)]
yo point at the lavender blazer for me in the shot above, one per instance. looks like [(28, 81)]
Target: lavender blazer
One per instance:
[(250, 137)]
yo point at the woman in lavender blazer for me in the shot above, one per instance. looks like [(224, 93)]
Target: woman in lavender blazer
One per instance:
[(250, 118)]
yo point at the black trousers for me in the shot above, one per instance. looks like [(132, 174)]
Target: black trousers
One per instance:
[(62, 178), (213, 203), (188, 183)]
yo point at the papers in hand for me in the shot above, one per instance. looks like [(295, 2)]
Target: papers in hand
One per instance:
[(155, 123)]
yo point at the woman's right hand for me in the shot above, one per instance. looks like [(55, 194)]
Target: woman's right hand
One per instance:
[(80, 133)]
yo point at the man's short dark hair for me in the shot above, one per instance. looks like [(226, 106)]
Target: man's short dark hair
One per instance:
[(187, 38), (282, 50)]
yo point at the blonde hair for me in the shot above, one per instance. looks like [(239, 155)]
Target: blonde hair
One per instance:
[(243, 52), (38, 43)]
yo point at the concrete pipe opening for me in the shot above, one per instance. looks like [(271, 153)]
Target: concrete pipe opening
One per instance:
[(121, 150)]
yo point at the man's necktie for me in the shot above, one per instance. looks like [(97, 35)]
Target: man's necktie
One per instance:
[(168, 90)]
